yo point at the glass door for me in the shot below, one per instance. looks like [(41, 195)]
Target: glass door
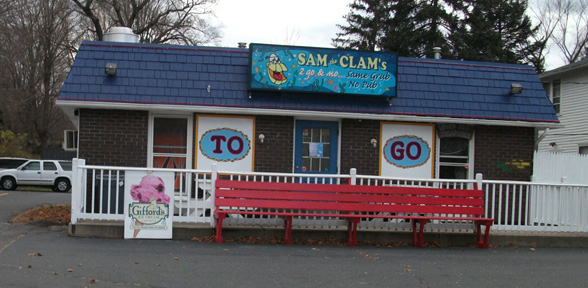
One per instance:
[(316, 147)]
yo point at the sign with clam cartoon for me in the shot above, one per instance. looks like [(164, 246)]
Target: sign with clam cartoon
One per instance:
[(322, 70), (148, 197), (407, 150), (226, 140)]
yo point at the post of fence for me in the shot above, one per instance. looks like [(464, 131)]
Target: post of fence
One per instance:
[(76, 189), (213, 176), (353, 176), (479, 181)]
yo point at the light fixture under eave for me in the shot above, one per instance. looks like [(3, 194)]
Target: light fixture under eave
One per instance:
[(516, 88), (110, 69)]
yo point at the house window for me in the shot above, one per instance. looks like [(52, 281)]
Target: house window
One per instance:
[(553, 90), (454, 158), (70, 140), (583, 150), (170, 142)]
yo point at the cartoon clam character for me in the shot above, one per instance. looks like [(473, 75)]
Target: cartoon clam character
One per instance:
[(275, 70), (150, 190)]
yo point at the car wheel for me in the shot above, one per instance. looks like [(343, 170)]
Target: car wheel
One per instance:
[(62, 185), (8, 183)]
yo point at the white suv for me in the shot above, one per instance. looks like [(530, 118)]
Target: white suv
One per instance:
[(52, 173)]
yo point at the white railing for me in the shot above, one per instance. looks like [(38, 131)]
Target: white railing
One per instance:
[(97, 194)]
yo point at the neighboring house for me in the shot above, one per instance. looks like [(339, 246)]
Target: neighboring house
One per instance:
[(567, 88), (148, 105)]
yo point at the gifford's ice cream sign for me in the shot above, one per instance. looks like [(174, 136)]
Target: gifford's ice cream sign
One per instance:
[(147, 199), (321, 70)]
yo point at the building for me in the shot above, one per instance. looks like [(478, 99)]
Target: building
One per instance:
[(567, 88), (292, 109)]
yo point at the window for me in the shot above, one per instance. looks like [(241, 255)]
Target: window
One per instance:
[(454, 158), (553, 90), (583, 150), (49, 166), (316, 149), (170, 141), (36, 166), (70, 140), (66, 165)]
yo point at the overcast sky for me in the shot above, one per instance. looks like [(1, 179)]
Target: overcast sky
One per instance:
[(304, 22), (290, 22)]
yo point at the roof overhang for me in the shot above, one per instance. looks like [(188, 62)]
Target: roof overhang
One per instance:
[(70, 106)]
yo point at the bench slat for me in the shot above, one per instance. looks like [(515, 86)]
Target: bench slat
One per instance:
[(345, 188), (348, 197), (349, 207)]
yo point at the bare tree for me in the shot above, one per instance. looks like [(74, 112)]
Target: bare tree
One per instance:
[(35, 57), (155, 21), (563, 23)]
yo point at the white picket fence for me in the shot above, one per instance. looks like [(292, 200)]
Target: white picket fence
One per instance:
[(554, 167), (97, 194)]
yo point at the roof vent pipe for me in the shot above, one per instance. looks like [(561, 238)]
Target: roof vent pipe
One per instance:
[(437, 52), (242, 45), (121, 34)]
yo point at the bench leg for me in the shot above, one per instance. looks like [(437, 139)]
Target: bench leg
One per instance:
[(218, 238), (417, 237), (288, 230), (352, 231), (483, 243)]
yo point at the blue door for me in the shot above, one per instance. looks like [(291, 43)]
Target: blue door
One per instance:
[(316, 147)]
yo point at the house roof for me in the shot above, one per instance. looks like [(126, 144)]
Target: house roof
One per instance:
[(216, 79), (565, 69)]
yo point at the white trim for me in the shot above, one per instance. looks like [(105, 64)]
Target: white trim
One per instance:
[(301, 113), (190, 141), (74, 146), (471, 156)]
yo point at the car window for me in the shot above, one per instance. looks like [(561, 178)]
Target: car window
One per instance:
[(67, 166), (32, 166), (49, 166), (11, 163)]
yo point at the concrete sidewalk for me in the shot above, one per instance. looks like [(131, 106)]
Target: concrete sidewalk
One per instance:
[(183, 231)]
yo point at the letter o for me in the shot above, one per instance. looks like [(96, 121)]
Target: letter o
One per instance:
[(239, 141), (418, 153)]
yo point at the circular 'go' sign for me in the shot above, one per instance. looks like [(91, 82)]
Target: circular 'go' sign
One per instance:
[(407, 151), (224, 144)]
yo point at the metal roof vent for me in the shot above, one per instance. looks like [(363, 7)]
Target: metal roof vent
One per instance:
[(121, 34), (437, 52), (242, 45)]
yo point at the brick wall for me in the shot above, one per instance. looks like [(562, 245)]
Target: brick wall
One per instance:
[(504, 153), (113, 137), (357, 150), (276, 152)]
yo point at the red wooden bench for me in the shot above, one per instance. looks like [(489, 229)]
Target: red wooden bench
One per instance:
[(351, 202)]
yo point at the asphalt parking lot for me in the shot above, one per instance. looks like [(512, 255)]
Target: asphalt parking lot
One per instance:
[(38, 256)]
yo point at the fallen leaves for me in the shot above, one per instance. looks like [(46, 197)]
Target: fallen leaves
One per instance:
[(50, 214), (310, 242)]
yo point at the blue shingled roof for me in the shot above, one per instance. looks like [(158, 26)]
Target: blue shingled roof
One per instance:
[(180, 75)]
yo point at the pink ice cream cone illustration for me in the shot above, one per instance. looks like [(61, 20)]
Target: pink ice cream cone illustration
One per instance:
[(150, 190)]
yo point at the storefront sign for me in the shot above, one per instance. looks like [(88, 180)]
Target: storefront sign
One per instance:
[(225, 144), (149, 202), (407, 150), (227, 140), (321, 70)]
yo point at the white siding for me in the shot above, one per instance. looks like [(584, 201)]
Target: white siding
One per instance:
[(574, 115)]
